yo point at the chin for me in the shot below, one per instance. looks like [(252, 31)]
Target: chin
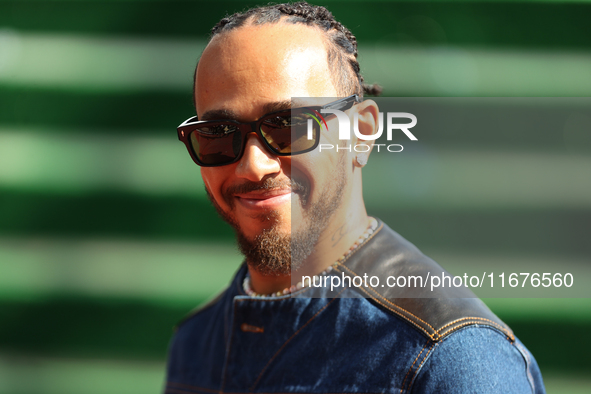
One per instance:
[(278, 223)]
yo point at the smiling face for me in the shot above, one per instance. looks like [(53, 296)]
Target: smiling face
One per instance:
[(244, 74)]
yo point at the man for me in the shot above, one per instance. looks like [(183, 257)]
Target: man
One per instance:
[(300, 211)]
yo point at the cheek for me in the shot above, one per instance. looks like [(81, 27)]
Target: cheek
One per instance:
[(213, 179), (318, 167), (206, 176)]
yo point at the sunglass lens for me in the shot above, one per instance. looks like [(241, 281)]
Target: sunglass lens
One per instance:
[(216, 145), (290, 133)]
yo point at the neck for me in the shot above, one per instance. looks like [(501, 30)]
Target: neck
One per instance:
[(334, 242)]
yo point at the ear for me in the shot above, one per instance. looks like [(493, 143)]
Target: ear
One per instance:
[(367, 113)]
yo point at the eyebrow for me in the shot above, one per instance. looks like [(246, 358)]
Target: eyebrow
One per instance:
[(219, 114), (277, 106), (228, 114)]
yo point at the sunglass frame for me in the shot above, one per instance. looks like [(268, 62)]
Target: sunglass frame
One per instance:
[(190, 125)]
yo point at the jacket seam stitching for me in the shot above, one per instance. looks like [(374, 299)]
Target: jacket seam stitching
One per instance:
[(465, 318), (473, 322), (437, 332), (395, 311), (527, 364), (386, 300), (413, 364), (412, 380)]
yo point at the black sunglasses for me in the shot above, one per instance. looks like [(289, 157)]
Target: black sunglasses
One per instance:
[(213, 143)]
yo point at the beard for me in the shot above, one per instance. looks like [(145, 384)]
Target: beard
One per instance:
[(273, 253)]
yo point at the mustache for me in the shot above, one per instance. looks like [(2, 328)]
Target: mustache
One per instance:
[(296, 185)]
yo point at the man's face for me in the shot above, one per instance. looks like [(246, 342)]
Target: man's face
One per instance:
[(244, 74)]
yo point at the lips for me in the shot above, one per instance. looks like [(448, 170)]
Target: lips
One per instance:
[(264, 199)]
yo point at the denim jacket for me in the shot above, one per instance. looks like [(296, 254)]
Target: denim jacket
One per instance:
[(367, 340)]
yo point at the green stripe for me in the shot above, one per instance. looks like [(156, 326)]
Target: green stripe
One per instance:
[(106, 64), (109, 213), (117, 113), (97, 63), (75, 163), (54, 375), (154, 271), (476, 179), (449, 71), (516, 24)]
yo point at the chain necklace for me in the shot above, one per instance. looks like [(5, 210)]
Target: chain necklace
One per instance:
[(373, 225)]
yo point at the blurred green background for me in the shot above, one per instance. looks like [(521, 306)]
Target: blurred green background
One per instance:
[(107, 238)]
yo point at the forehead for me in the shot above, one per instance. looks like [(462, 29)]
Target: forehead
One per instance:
[(248, 67)]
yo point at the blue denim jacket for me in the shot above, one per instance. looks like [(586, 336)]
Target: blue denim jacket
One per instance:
[(352, 344)]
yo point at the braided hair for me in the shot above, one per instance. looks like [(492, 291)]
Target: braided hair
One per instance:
[(342, 44)]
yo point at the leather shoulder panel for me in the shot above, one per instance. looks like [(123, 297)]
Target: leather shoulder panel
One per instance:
[(435, 313)]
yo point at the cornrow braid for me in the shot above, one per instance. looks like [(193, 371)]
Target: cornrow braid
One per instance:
[(342, 48)]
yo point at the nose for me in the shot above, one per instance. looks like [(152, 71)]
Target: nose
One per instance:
[(257, 162)]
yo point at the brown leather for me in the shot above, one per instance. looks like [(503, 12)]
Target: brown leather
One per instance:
[(436, 313)]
